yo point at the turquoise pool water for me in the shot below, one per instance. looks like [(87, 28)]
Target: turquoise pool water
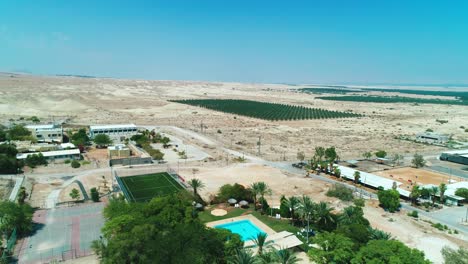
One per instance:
[(246, 229)]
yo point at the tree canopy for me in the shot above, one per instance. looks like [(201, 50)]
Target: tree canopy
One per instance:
[(80, 137), (388, 251), (164, 230), (102, 140), (19, 132), (389, 199), (381, 154), (418, 161)]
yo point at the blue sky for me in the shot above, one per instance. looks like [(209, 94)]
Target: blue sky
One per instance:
[(247, 41)]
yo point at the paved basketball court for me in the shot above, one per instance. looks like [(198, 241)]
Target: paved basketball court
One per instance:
[(62, 233)]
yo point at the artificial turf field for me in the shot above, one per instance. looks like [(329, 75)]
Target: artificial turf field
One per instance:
[(142, 188)]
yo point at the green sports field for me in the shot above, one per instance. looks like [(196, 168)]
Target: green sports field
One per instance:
[(142, 188)]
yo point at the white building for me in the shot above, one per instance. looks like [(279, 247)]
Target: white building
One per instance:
[(115, 132), (54, 155), (47, 133)]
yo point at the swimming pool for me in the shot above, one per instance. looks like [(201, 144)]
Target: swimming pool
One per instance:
[(245, 228)]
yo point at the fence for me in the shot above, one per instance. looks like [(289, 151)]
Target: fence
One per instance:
[(9, 246), (50, 255), (130, 161)]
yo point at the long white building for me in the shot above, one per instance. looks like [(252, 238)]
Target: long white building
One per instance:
[(117, 131)]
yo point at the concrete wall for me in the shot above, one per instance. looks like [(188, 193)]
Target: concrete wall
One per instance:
[(130, 161)]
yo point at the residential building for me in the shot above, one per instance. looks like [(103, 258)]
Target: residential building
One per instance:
[(116, 132), (47, 133), (73, 154)]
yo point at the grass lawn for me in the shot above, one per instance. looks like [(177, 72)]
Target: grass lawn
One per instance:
[(143, 188)]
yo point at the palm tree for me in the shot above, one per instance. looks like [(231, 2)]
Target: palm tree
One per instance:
[(337, 172), (261, 243), (259, 188), (323, 216), (285, 256), (415, 194), (433, 192), (306, 209), (442, 189), (357, 176), (292, 203), (243, 256), (376, 234), (196, 184)]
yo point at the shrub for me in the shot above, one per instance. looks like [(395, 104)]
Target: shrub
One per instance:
[(94, 195), (438, 226), (389, 200), (67, 161), (462, 192), (341, 192), (75, 164), (414, 214)]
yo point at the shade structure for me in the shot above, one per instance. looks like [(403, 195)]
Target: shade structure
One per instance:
[(232, 201), (243, 203)]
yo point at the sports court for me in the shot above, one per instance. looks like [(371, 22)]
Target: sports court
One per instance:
[(142, 188), (61, 234)]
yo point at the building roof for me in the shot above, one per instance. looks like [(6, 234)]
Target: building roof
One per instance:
[(457, 152), (96, 127), (368, 178), (50, 153), (118, 147), (44, 126)]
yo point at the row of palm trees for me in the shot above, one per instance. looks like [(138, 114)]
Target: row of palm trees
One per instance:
[(417, 192)]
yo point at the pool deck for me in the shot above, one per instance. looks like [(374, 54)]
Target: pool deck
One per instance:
[(250, 217)]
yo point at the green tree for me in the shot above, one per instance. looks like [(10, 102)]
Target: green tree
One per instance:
[(337, 172), (306, 208), (17, 216), (75, 194), (418, 161), (232, 242), (415, 194), (243, 256), (284, 256), (292, 203), (94, 194), (442, 190), (357, 177), (261, 242), (236, 191), (433, 191), (196, 185), (35, 119), (323, 217), (453, 256), (102, 140), (462, 192), (80, 137), (352, 215), (332, 248), (34, 160), (367, 155), (75, 164), (330, 154), (259, 188), (19, 132), (157, 232), (381, 154), (389, 199), (3, 134), (319, 154), (165, 141), (22, 195), (388, 251), (376, 234)]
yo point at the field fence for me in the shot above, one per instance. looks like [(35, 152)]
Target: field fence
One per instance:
[(50, 255)]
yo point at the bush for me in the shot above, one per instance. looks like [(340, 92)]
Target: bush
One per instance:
[(67, 161), (341, 192), (389, 200), (438, 226), (94, 195), (75, 164), (236, 191), (462, 192), (35, 160), (414, 214)]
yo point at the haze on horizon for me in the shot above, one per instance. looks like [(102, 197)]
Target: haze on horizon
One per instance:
[(362, 42)]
